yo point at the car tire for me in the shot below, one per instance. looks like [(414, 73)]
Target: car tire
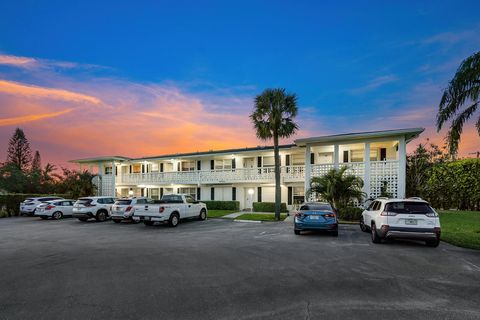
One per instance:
[(375, 237), (43, 217), (117, 220), (433, 243), (57, 215), (173, 220), (335, 233), (101, 216), (148, 223), (363, 227), (203, 215), (83, 219), (297, 232)]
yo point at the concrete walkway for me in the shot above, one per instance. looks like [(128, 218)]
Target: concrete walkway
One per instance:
[(237, 214)]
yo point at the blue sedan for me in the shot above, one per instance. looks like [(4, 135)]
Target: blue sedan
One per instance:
[(316, 216)]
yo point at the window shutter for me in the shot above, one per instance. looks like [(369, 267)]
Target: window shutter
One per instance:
[(161, 168), (212, 193), (383, 154), (212, 164), (290, 195), (259, 194), (130, 169), (143, 168), (345, 156), (199, 165), (259, 162), (234, 194), (287, 160), (312, 158), (161, 193), (234, 164), (178, 165), (199, 194)]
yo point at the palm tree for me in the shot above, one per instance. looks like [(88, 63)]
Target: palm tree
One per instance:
[(462, 90), (337, 188), (273, 119)]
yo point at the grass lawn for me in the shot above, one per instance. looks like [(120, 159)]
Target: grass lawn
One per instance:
[(260, 216), (219, 213), (461, 228)]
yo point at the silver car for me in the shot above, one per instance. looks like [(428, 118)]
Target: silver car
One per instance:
[(55, 209), (123, 209)]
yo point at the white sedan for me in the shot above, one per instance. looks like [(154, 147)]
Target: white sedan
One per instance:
[(55, 209)]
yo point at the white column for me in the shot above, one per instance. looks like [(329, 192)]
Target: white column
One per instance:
[(366, 173), (114, 170), (335, 156), (308, 170), (402, 167)]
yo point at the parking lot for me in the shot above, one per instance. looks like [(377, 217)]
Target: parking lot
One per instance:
[(220, 269)]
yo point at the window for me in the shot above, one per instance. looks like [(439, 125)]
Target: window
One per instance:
[(317, 207), (377, 206), (212, 193), (123, 202), (357, 155), (259, 194), (172, 198), (154, 167), (136, 168), (110, 201), (154, 193), (268, 161), (408, 207), (298, 159), (225, 164), (188, 165), (101, 201), (188, 191), (108, 170), (374, 155), (345, 156), (234, 193), (189, 199), (325, 157)]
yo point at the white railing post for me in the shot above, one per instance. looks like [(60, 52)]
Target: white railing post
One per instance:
[(402, 167), (308, 171), (335, 156), (366, 170), (114, 171)]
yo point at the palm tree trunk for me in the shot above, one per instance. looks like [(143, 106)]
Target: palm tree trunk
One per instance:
[(278, 193)]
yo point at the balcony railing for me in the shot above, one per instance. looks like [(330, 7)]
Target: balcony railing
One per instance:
[(261, 175)]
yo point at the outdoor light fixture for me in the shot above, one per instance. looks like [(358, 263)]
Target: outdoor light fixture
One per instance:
[(250, 191), (130, 192)]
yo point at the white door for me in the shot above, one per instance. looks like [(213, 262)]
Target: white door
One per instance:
[(67, 208), (249, 196)]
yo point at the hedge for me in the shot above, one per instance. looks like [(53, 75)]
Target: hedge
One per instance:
[(268, 207), (222, 205), (10, 203), (350, 213)]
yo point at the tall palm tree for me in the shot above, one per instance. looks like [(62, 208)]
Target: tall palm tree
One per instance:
[(273, 119), (462, 90), (337, 188)]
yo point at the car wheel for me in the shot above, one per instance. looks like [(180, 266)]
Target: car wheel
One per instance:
[(43, 217), (297, 232), (57, 215), (363, 227), (148, 223), (101, 216), (83, 219), (117, 220), (433, 243), (203, 215), (174, 220), (375, 237)]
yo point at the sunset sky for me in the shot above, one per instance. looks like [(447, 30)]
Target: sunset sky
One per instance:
[(144, 78)]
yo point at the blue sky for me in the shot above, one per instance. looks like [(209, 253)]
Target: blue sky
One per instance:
[(354, 65)]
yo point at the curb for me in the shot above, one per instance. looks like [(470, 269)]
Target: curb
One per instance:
[(248, 221)]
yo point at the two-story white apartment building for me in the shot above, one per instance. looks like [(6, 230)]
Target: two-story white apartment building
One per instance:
[(247, 175)]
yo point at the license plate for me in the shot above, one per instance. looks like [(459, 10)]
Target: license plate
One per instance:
[(411, 221), (314, 217), (146, 218)]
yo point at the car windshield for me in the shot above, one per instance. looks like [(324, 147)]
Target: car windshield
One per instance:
[(84, 201), (123, 202), (408, 207), (316, 207)]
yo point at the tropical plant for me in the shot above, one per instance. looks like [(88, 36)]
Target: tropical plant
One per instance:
[(463, 90), (337, 188), (273, 118), (76, 183)]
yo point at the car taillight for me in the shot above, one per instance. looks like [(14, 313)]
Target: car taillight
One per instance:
[(431, 214), (330, 215), (161, 209), (128, 208), (299, 215), (387, 213), (89, 205), (49, 207)]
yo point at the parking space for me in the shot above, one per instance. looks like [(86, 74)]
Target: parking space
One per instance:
[(218, 269)]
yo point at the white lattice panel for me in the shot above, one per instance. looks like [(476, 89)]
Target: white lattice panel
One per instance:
[(381, 172), (319, 170)]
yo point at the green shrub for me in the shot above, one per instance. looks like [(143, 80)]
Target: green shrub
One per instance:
[(350, 213), (10, 203), (268, 207), (222, 205)]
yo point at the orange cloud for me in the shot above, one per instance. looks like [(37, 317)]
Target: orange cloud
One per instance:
[(23, 62), (33, 117), (18, 89)]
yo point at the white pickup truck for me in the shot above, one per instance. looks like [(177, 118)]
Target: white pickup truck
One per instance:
[(171, 208)]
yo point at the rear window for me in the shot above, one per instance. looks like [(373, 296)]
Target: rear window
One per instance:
[(408, 207), (317, 207), (123, 202), (172, 198)]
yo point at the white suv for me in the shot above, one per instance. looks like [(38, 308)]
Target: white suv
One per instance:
[(93, 207), (124, 208), (29, 205), (411, 218)]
